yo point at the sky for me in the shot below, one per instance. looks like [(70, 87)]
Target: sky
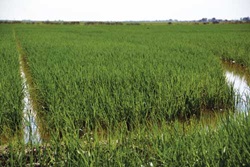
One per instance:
[(122, 10)]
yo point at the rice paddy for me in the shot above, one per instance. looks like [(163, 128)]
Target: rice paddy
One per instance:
[(125, 95), (10, 86)]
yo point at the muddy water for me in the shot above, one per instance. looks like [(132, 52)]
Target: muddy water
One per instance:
[(31, 133), (236, 77)]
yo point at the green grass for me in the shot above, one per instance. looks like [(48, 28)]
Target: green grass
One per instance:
[(102, 75), (10, 85), (127, 95), (172, 144)]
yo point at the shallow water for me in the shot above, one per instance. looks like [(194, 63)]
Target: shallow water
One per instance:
[(241, 88), (31, 133)]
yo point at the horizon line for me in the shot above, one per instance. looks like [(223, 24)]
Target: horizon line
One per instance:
[(142, 20)]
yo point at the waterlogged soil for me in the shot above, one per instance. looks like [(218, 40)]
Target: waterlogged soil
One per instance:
[(238, 77)]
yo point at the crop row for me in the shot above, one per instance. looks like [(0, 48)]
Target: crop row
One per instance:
[(10, 85)]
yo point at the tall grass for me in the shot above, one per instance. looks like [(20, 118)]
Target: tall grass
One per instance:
[(173, 144), (112, 96), (10, 86), (100, 76)]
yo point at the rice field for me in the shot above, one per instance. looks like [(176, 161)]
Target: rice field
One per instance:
[(10, 86), (125, 95)]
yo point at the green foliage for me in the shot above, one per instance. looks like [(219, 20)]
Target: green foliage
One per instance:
[(173, 144), (102, 75), (10, 84), (112, 95)]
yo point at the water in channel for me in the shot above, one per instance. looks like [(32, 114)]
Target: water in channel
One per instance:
[(31, 133), (237, 78)]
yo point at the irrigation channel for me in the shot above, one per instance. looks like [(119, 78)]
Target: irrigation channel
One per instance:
[(30, 124), (31, 132), (237, 77)]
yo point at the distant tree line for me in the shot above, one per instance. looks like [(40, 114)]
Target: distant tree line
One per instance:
[(216, 21), (110, 23), (246, 19), (9, 22), (102, 23), (170, 21), (61, 22), (68, 22), (39, 22)]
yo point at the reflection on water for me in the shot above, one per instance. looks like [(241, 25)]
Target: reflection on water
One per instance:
[(31, 133), (241, 88)]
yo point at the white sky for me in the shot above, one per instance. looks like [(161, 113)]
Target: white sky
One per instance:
[(122, 10)]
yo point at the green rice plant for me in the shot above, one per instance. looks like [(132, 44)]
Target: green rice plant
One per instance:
[(101, 75), (172, 144), (133, 96), (10, 85)]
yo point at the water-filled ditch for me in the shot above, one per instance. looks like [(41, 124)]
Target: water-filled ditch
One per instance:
[(236, 76), (31, 132)]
